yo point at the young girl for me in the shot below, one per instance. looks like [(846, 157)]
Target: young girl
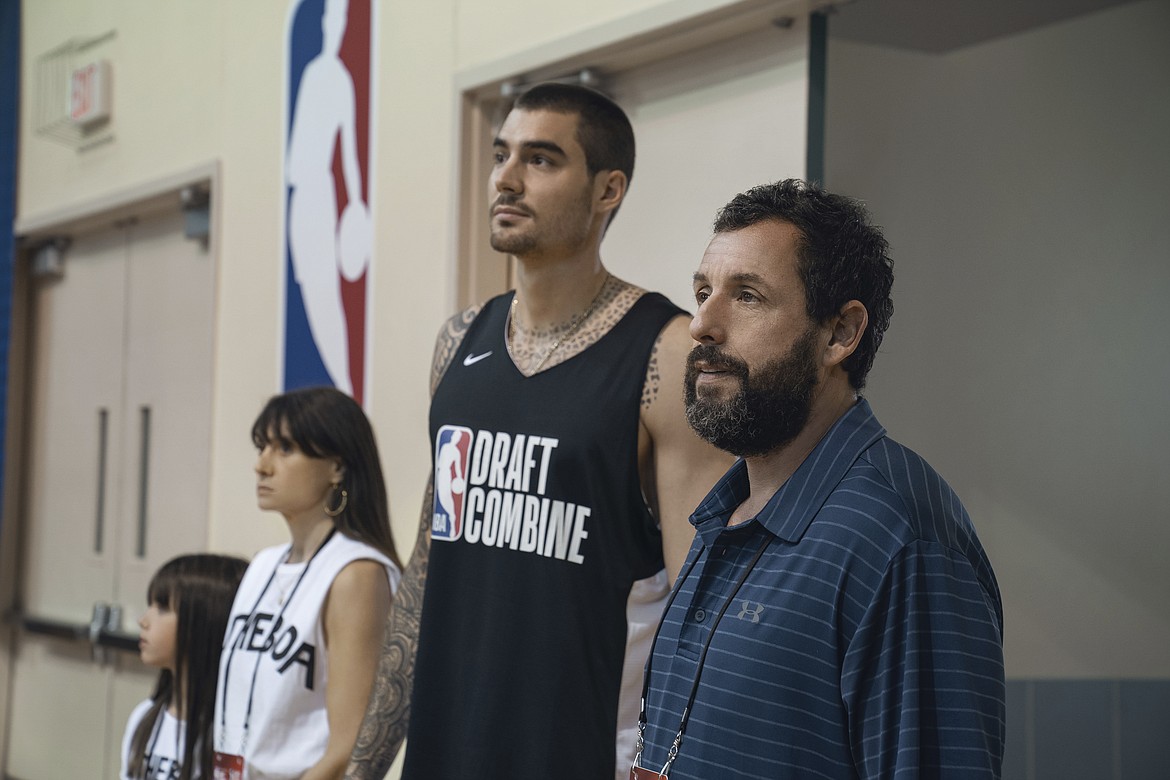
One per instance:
[(169, 734), (305, 634)]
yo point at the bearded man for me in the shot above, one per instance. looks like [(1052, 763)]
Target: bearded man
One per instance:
[(836, 615)]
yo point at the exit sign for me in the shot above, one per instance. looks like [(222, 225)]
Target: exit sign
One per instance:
[(89, 93)]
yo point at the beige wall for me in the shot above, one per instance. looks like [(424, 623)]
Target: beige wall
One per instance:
[(485, 32), (166, 92)]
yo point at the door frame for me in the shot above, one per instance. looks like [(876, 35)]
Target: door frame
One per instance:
[(33, 231)]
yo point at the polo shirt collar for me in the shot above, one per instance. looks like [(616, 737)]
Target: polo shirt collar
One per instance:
[(790, 510)]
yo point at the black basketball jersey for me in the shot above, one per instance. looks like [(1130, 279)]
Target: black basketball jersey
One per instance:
[(539, 531)]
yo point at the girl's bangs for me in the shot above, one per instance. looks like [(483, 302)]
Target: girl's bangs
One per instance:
[(161, 590), (281, 416)]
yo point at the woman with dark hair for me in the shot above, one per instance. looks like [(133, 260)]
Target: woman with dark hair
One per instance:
[(188, 600), (305, 635)]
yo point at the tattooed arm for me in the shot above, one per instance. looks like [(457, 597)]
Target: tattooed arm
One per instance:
[(679, 467), (384, 726)]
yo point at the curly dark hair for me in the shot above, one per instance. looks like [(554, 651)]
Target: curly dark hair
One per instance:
[(841, 256)]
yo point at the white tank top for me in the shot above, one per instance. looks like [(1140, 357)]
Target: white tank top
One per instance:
[(274, 655)]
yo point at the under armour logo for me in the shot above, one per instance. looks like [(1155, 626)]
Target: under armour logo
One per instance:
[(750, 611)]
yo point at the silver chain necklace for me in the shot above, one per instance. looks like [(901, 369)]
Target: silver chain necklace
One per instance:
[(577, 322)]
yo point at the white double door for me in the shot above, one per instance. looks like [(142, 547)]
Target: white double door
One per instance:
[(115, 478)]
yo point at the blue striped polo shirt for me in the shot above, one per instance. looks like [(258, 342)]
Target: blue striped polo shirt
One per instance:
[(866, 642)]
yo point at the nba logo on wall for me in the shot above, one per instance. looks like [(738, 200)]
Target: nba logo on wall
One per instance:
[(327, 236), (452, 451)]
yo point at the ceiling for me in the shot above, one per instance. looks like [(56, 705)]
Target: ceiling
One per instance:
[(939, 26)]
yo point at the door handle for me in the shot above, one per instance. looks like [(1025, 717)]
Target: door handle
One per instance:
[(99, 522), (143, 481), (103, 631)]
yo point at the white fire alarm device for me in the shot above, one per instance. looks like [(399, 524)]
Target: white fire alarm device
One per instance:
[(89, 94)]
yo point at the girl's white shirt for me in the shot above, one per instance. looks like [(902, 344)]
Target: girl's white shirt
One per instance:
[(165, 746), (274, 653)]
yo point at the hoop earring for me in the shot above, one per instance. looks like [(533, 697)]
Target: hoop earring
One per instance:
[(340, 507)]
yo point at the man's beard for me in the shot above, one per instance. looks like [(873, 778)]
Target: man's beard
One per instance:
[(771, 407), (565, 232), (520, 244)]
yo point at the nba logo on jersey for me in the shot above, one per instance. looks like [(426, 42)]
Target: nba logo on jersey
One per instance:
[(452, 454), (328, 236)]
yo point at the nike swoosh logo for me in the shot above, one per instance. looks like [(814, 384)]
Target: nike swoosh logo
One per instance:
[(471, 360)]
